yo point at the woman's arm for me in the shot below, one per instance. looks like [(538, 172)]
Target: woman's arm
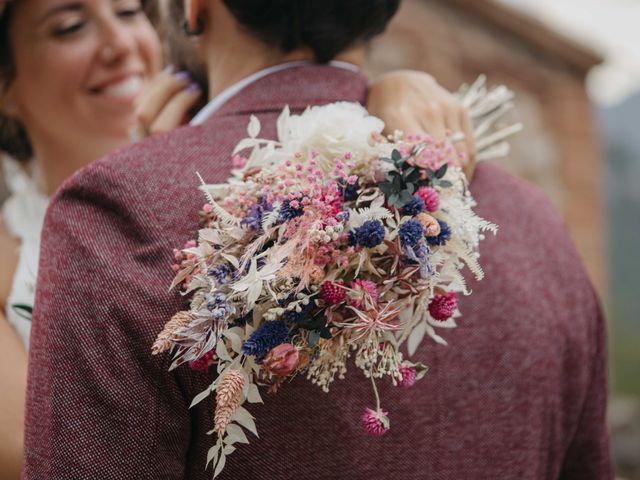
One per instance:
[(13, 377), (13, 370)]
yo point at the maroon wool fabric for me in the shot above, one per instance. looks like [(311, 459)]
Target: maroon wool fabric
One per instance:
[(519, 393)]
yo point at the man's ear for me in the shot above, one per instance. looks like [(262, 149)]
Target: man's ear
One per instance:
[(194, 13)]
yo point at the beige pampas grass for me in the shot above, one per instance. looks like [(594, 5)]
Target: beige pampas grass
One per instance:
[(228, 397), (163, 341)]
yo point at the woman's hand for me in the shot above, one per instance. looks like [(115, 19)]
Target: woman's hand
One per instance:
[(413, 102), (166, 102)]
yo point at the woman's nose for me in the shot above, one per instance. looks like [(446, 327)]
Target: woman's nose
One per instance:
[(117, 40)]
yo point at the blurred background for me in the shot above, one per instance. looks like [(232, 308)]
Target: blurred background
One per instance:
[(575, 68)]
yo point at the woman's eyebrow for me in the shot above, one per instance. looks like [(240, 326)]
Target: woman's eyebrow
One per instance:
[(70, 6)]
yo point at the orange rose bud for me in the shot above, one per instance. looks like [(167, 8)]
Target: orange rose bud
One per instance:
[(430, 224), (282, 360)]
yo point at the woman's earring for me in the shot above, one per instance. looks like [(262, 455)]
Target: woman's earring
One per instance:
[(193, 32)]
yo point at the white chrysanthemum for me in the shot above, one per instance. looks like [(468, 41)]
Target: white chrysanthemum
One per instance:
[(331, 130)]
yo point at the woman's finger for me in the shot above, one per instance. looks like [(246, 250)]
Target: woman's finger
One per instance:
[(157, 94), (176, 111)]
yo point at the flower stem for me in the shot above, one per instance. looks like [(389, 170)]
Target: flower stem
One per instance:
[(375, 391)]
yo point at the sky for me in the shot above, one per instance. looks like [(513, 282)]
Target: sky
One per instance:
[(610, 27)]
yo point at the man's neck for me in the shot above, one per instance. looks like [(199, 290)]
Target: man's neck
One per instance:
[(231, 53)]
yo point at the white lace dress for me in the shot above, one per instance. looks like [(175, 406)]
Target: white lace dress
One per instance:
[(23, 214)]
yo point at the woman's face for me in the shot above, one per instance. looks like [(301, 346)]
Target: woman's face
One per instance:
[(80, 64)]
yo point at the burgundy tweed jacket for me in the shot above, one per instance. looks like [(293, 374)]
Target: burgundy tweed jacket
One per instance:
[(520, 392)]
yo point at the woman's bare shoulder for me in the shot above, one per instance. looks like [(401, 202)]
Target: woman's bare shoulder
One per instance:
[(8, 259)]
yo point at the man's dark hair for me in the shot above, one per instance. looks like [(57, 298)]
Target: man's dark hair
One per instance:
[(327, 27)]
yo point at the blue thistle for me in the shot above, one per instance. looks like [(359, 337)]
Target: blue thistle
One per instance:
[(414, 206), (410, 233), (220, 273), (352, 240), (445, 235), (370, 234), (268, 335), (287, 212), (291, 317), (253, 219), (351, 191)]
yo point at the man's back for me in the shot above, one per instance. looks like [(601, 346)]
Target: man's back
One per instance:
[(513, 396)]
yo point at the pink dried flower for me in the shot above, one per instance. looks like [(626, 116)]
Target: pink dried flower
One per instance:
[(282, 360), (430, 224), (375, 423), (333, 292), (228, 398), (164, 340), (363, 292), (430, 197), (203, 363), (408, 377), (442, 306), (238, 161)]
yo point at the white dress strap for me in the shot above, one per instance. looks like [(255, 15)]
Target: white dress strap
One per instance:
[(23, 213)]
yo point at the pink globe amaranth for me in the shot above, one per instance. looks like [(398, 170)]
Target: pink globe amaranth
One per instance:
[(408, 377), (361, 290), (282, 360), (203, 363), (332, 292), (442, 306), (375, 423), (430, 197)]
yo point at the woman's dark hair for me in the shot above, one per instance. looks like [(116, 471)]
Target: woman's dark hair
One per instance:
[(326, 27), (13, 137)]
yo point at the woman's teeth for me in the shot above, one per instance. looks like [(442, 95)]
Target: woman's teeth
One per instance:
[(126, 88)]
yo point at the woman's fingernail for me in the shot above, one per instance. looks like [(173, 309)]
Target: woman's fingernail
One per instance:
[(182, 76), (194, 88), (169, 68)]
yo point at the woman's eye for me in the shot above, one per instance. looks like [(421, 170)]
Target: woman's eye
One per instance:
[(131, 11), (68, 29)]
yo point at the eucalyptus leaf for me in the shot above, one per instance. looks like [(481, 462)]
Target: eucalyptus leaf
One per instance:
[(220, 466), (442, 171), (254, 394), (244, 418), (212, 454), (237, 432), (202, 395), (444, 183)]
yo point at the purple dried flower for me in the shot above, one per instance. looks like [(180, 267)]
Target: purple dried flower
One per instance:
[(410, 233), (370, 234)]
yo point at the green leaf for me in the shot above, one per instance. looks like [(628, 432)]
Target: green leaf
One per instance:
[(386, 423), (212, 454), (24, 311), (396, 156), (421, 370), (244, 418), (325, 333), (236, 433), (442, 171), (220, 465), (444, 183), (202, 395), (394, 200), (314, 337), (430, 174)]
